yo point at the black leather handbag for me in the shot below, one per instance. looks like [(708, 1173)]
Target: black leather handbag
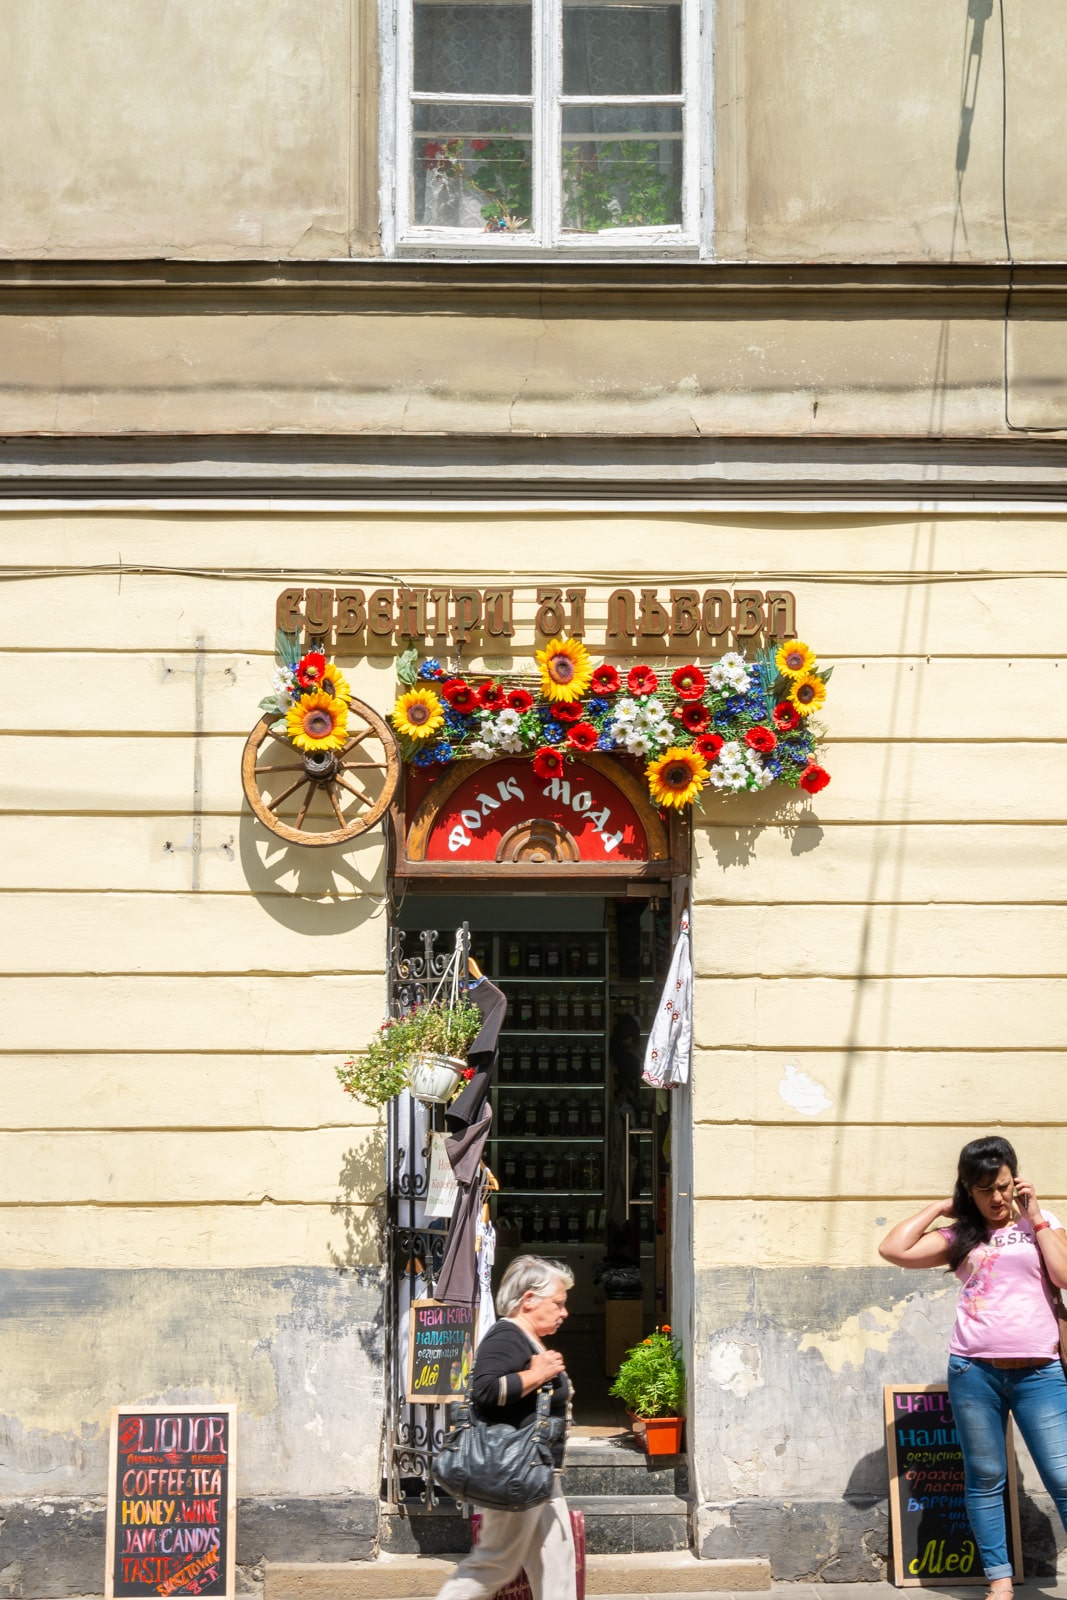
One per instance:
[(494, 1465)]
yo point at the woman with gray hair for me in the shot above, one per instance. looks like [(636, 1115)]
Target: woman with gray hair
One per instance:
[(509, 1368)]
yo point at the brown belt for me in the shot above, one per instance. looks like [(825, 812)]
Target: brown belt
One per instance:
[(1013, 1363)]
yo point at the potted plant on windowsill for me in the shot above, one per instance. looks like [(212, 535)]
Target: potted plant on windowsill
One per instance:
[(424, 1050), (651, 1384)]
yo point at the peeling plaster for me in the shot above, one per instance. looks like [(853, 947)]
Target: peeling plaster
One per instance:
[(734, 1367), (870, 1329), (803, 1092)]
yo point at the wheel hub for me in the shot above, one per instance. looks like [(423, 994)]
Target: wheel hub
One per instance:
[(320, 765)]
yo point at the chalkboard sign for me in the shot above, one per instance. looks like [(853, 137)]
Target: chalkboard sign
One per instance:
[(932, 1538), (172, 1496), (441, 1350)]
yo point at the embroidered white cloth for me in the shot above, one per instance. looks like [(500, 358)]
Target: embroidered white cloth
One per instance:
[(670, 1041)]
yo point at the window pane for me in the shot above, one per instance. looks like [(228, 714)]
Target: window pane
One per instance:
[(622, 167), (622, 49), (472, 49), (471, 167)]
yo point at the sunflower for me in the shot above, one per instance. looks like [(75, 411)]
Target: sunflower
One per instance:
[(807, 693), (417, 714), (794, 658), (334, 682), (318, 721), (676, 777), (565, 669)]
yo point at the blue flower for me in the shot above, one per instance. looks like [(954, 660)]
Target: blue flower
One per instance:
[(430, 669), (424, 758), (552, 732), (605, 742), (733, 705), (596, 708), (444, 752), (456, 722)]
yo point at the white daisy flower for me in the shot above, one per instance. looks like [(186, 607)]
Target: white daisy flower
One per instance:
[(480, 749), (507, 723)]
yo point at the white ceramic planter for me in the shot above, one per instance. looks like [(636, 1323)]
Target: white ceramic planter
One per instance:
[(434, 1078)]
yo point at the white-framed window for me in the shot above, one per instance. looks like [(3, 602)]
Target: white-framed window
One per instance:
[(526, 125)]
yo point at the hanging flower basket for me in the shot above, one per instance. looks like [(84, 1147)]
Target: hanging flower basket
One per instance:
[(435, 1078)]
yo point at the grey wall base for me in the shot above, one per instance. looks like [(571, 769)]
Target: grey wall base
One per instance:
[(838, 1541), (53, 1548)]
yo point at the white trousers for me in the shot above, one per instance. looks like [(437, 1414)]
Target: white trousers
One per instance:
[(539, 1540)]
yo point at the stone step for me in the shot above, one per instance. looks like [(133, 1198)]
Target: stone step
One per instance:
[(604, 1466), (622, 1524), (412, 1577)]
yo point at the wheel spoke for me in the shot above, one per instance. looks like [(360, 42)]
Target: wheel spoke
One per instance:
[(302, 813), (379, 766), (357, 738), (354, 788), (288, 766), (338, 813), (272, 805)]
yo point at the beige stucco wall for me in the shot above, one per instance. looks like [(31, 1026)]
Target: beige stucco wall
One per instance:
[(870, 132), (210, 128), (168, 1048)]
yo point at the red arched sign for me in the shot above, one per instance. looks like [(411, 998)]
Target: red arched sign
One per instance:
[(504, 812)]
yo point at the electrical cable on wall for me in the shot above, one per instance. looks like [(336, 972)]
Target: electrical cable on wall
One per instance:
[(1013, 427)]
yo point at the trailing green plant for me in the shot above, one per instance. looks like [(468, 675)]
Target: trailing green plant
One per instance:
[(378, 1073), (618, 184), (651, 1381)]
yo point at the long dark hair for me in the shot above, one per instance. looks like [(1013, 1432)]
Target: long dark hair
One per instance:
[(979, 1163)]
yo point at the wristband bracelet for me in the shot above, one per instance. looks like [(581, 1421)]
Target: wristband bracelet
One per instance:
[(1037, 1226)]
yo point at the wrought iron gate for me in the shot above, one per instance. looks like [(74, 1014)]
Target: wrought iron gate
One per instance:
[(413, 1432)]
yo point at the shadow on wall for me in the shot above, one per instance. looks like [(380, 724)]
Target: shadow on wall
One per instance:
[(363, 1221), (736, 847), (345, 882)]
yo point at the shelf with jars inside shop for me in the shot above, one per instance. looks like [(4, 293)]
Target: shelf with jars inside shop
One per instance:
[(547, 1146)]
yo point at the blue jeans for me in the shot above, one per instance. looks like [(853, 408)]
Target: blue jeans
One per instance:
[(982, 1396)]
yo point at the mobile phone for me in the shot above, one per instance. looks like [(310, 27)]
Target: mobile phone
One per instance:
[(1023, 1199)]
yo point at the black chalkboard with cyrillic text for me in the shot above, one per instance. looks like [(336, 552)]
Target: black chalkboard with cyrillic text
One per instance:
[(441, 1350), (932, 1539), (172, 1495)]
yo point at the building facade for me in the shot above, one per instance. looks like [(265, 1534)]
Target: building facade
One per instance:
[(759, 298)]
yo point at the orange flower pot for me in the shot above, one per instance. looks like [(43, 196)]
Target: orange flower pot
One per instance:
[(663, 1435)]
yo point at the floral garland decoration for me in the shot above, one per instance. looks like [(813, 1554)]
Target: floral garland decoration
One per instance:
[(737, 725), (309, 696)]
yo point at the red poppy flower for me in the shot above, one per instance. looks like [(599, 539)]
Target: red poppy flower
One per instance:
[(431, 151), (760, 739), (520, 700), (459, 694), (814, 778), (310, 670), (689, 681), (642, 680), (695, 718), (479, 144), (548, 763), (605, 680), (568, 711), (709, 745), (491, 697), (786, 717), (582, 736)]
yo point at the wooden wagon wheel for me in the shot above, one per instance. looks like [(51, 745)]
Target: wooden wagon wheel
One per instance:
[(350, 788)]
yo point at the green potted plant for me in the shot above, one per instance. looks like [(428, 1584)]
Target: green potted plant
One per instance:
[(424, 1050), (651, 1385)]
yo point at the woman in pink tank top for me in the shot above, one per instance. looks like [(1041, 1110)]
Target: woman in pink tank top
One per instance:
[(1010, 1256)]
